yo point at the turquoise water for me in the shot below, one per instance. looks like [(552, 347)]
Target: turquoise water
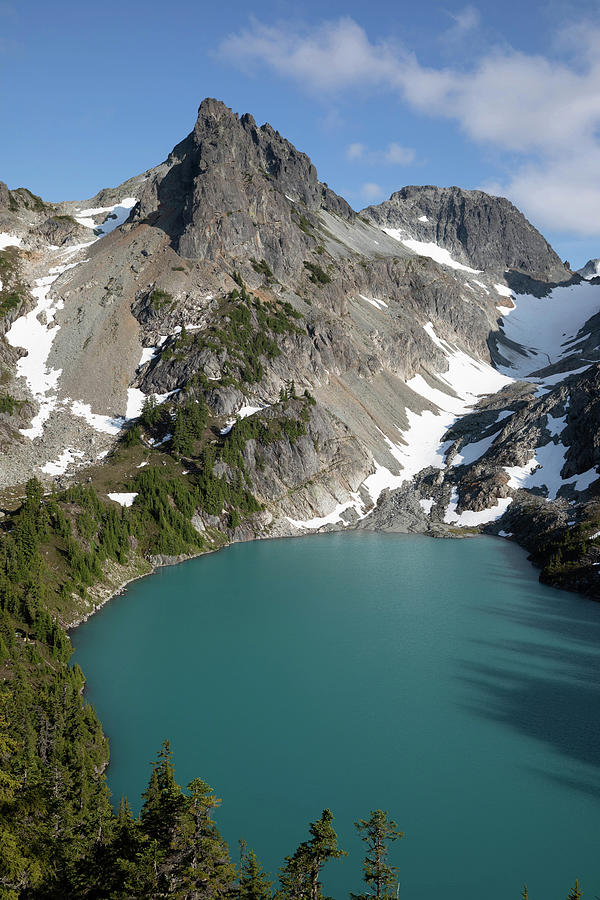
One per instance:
[(435, 679)]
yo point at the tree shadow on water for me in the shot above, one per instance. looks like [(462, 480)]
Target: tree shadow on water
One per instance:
[(558, 711), (544, 684)]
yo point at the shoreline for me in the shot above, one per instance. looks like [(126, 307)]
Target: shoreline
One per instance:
[(107, 592), (111, 593)]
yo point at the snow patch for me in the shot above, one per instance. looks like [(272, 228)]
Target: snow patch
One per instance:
[(125, 499), (9, 240), (331, 518), (135, 403), (543, 471), (422, 441), (430, 249), (115, 215), (106, 424), (242, 413), (472, 518), (556, 426), (469, 453), (481, 285), (60, 466), (378, 304), (148, 353)]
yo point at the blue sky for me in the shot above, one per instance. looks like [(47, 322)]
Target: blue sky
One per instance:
[(500, 96)]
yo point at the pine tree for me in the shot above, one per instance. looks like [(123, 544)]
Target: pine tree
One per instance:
[(575, 893), (524, 893), (204, 869), (163, 801), (300, 875), (254, 883), (377, 832)]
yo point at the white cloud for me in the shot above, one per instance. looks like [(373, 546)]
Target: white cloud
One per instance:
[(333, 56), (355, 151), (465, 21), (544, 110), (398, 155), (394, 154), (371, 191)]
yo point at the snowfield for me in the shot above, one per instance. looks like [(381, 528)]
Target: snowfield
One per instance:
[(547, 328)]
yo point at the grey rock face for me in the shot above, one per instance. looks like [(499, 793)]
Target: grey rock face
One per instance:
[(234, 188), (4, 196), (61, 231), (477, 229)]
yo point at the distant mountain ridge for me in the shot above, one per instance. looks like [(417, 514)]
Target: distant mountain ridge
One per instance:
[(481, 230), (591, 269)]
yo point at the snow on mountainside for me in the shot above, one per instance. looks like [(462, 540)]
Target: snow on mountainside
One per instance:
[(451, 354)]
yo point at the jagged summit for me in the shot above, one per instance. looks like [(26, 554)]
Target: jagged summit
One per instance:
[(478, 229), (231, 186)]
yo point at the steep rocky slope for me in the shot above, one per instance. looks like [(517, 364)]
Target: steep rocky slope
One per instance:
[(428, 364)]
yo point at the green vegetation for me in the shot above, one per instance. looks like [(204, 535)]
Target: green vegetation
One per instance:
[(303, 224), (564, 553), (190, 422), (24, 197), (317, 274), (262, 268), (9, 300), (8, 404), (300, 875), (246, 328), (68, 220), (159, 299), (13, 291), (381, 879)]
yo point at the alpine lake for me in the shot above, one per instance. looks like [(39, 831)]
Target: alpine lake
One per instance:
[(434, 679)]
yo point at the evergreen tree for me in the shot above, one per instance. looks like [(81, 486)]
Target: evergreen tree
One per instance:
[(377, 832), (575, 893), (254, 883), (163, 801), (204, 867), (300, 875), (524, 893)]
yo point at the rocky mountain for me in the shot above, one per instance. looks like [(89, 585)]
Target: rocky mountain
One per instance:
[(591, 269), (428, 364)]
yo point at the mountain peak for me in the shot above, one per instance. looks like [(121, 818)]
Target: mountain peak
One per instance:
[(479, 229), (231, 187)]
